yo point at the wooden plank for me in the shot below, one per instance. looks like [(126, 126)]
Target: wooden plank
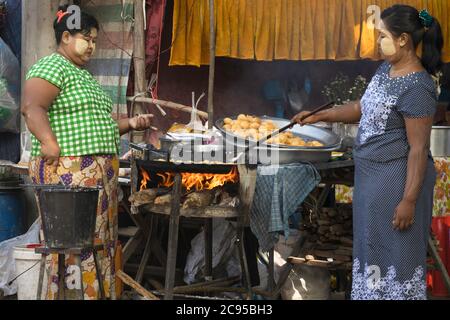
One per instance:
[(128, 231), (131, 246), (145, 255), (208, 238), (173, 238), (136, 286), (156, 271), (312, 262), (247, 185), (208, 212), (207, 283)]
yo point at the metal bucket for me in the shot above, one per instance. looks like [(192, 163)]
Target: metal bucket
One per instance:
[(68, 215)]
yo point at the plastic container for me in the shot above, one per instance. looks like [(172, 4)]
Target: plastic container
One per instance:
[(27, 270), (68, 215), (12, 209)]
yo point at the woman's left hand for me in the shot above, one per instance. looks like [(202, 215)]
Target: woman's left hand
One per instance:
[(404, 215), (140, 122)]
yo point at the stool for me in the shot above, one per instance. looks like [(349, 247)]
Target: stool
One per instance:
[(76, 252)]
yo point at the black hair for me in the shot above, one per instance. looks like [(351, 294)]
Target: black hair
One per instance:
[(87, 22), (405, 19)]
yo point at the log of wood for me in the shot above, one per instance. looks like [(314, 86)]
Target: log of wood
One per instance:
[(348, 225), (198, 199), (136, 286), (313, 262), (346, 241), (348, 250), (324, 222), (333, 255), (328, 246), (330, 212), (143, 197), (343, 252), (337, 229), (323, 230)]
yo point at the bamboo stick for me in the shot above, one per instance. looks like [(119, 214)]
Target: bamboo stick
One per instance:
[(139, 63), (212, 64), (170, 105)]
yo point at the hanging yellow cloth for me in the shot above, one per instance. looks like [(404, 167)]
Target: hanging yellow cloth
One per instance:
[(269, 30)]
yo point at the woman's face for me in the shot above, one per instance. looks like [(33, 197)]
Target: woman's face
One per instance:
[(389, 46), (80, 47)]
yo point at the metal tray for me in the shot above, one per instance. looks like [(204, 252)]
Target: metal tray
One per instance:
[(291, 154), (308, 132)]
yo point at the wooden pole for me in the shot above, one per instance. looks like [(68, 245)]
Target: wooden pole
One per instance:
[(212, 64), (139, 64)]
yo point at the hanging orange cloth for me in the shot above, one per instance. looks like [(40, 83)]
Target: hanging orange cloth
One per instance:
[(269, 30)]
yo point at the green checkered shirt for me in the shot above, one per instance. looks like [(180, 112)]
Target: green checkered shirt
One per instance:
[(80, 116)]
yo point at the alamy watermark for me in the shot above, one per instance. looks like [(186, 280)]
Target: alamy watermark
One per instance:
[(73, 22)]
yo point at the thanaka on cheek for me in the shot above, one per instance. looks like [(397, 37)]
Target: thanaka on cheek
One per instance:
[(81, 46), (388, 47)]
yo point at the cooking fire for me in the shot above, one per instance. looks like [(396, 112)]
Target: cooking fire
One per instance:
[(196, 181)]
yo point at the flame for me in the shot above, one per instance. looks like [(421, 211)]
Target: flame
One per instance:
[(197, 181), (167, 179), (145, 179)]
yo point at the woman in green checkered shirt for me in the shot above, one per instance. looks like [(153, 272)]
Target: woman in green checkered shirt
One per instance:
[(75, 139)]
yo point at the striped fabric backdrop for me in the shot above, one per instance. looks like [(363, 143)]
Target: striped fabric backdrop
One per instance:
[(113, 57)]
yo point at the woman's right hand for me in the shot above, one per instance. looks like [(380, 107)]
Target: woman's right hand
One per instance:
[(319, 116), (50, 152)]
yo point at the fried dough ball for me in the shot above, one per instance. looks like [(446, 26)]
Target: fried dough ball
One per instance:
[(227, 121), (227, 127), (242, 117), (244, 124), (289, 134), (255, 125), (252, 132), (235, 126), (314, 144)]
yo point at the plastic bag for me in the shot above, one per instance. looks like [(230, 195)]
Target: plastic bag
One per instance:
[(7, 261), (224, 260), (9, 90)]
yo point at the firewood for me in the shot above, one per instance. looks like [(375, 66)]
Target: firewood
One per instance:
[(143, 197), (324, 222), (333, 255), (346, 241), (328, 246), (348, 250), (323, 229), (337, 229), (342, 252), (331, 212), (163, 200), (198, 199)]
